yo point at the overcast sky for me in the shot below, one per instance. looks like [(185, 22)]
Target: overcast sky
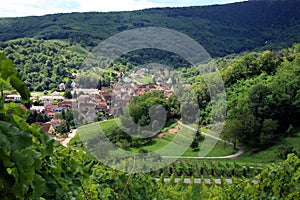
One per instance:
[(18, 8)]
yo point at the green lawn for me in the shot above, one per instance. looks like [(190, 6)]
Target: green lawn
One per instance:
[(219, 149), (269, 155), (205, 130), (175, 144), (145, 80), (262, 158), (168, 145)]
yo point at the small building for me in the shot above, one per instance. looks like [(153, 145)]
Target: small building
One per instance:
[(47, 127), (50, 114), (13, 98), (50, 108), (58, 109), (49, 99), (22, 106), (67, 104), (83, 98), (39, 109), (62, 87), (55, 122), (73, 76)]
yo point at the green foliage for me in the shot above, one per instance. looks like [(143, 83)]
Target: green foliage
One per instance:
[(43, 64), (32, 164), (9, 76), (264, 106), (139, 107), (222, 30), (284, 151)]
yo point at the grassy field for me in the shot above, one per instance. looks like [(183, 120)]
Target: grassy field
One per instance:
[(145, 80), (174, 144), (182, 140), (269, 155), (261, 158), (167, 145)]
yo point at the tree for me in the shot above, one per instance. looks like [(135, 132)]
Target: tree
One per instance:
[(63, 127), (174, 105), (99, 85), (269, 133), (68, 94), (195, 144), (232, 129)]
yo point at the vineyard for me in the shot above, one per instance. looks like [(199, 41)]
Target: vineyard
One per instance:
[(206, 169)]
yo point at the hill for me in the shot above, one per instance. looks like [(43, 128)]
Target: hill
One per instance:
[(221, 29)]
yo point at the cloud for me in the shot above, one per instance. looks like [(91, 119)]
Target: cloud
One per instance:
[(17, 8), (117, 5)]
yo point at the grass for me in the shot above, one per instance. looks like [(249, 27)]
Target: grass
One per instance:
[(261, 158), (269, 155), (176, 143), (211, 132), (106, 127), (155, 145), (145, 80), (77, 48), (168, 137), (172, 144), (168, 145), (219, 149)]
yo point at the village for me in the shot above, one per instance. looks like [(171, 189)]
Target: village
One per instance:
[(56, 110)]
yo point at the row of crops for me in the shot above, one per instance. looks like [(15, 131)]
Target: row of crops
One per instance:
[(213, 168)]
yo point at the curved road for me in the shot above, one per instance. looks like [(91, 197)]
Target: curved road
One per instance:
[(70, 136), (240, 150)]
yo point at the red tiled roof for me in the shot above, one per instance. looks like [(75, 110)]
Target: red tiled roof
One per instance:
[(50, 107), (23, 107)]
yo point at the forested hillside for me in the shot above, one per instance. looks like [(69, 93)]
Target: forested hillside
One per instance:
[(44, 64), (221, 29)]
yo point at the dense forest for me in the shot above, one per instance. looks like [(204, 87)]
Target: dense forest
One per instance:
[(221, 29)]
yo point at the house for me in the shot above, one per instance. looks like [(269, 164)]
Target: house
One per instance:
[(58, 109), (90, 117), (87, 106), (50, 114), (139, 92), (102, 107), (83, 98), (67, 104), (23, 107), (47, 127), (73, 76), (55, 122), (49, 99), (13, 97), (168, 93), (34, 97), (39, 109), (50, 108), (62, 86), (73, 84), (46, 99)]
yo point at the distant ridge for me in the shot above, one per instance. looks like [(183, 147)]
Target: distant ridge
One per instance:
[(221, 29)]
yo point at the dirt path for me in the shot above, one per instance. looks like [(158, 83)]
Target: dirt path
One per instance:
[(70, 136), (240, 150)]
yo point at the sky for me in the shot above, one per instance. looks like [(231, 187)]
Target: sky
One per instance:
[(20, 8)]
